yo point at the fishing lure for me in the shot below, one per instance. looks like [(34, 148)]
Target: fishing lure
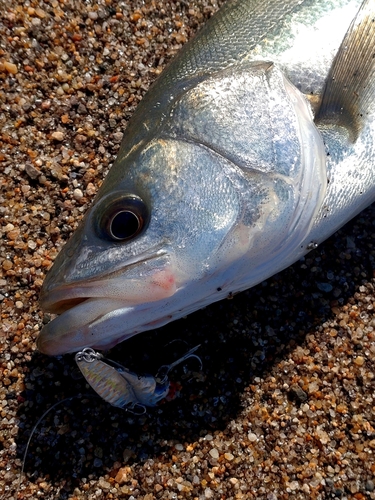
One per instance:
[(123, 388)]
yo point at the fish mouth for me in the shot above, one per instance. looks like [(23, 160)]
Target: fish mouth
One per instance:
[(104, 311), (63, 305)]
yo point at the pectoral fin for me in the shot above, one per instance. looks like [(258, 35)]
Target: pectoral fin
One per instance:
[(349, 95)]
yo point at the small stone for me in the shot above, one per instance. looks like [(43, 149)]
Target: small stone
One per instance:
[(58, 136), (105, 485), (13, 235), (214, 453), (359, 360), (90, 189), (325, 287), (322, 436), (228, 456), (46, 104), (293, 485), (122, 475), (117, 137), (10, 67), (337, 492), (77, 194), (32, 172), (82, 109), (208, 493), (297, 394), (313, 387), (56, 171), (40, 13), (369, 485), (80, 138), (19, 304), (252, 437), (7, 264)]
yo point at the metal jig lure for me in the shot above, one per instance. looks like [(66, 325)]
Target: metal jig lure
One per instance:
[(123, 388)]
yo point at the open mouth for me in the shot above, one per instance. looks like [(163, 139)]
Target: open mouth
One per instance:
[(63, 305), (104, 311)]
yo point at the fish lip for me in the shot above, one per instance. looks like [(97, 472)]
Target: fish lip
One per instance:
[(71, 333), (61, 298)]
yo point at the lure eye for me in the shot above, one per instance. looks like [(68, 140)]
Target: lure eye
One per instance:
[(124, 218)]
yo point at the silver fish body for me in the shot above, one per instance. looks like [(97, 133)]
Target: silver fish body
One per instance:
[(223, 177)]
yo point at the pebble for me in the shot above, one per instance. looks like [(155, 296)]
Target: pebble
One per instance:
[(252, 437), (58, 136), (10, 67), (122, 475), (7, 265), (359, 360), (297, 393), (105, 485), (77, 194), (284, 406), (32, 172)]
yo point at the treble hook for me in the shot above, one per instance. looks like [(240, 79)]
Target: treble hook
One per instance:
[(162, 374)]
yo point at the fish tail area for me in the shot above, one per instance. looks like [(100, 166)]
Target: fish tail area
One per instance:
[(348, 96)]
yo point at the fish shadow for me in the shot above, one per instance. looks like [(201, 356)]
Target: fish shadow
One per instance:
[(240, 339)]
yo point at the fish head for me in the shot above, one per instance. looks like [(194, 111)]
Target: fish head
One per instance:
[(195, 207), (160, 231)]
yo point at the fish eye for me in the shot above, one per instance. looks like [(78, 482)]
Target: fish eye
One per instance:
[(123, 219)]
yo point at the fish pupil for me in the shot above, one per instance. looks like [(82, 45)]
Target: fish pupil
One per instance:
[(124, 225)]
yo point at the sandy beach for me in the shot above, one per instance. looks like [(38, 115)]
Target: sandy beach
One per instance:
[(284, 404)]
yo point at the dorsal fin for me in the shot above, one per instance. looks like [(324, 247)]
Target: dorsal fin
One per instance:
[(349, 93)]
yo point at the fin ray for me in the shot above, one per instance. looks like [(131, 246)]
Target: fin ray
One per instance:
[(349, 93)]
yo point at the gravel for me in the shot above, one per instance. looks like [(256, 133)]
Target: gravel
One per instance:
[(284, 406)]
